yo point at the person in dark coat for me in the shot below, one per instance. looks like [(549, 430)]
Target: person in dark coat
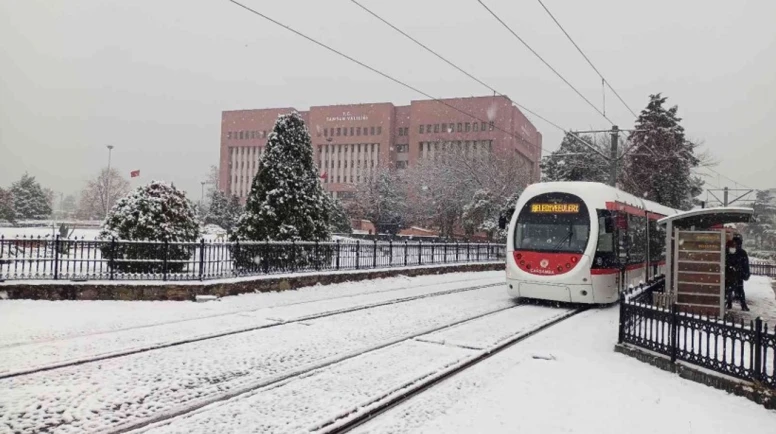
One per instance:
[(736, 272)]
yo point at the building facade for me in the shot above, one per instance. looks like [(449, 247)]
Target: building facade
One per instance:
[(351, 141)]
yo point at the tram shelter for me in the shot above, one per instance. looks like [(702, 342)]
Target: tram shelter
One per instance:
[(695, 257)]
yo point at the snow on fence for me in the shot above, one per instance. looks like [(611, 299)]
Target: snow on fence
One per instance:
[(41, 258), (745, 351), (763, 269)]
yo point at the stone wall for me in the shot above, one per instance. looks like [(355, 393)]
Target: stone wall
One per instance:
[(188, 290), (754, 392)]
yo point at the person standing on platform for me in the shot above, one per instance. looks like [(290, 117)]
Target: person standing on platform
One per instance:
[(736, 272)]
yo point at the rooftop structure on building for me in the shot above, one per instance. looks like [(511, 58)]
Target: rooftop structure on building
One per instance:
[(350, 141)]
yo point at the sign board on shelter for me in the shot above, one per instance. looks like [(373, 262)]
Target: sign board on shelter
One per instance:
[(699, 270)]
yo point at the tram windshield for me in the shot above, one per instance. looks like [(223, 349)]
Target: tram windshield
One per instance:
[(553, 222)]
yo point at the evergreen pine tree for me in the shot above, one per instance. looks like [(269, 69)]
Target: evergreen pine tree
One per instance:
[(658, 166), (574, 161), (340, 222), (30, 200), (7, 210), (222, 210), (287, 201), (763, 229)]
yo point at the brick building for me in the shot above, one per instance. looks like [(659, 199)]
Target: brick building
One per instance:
[(350, 141)]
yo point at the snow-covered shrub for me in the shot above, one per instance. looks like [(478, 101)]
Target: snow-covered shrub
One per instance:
[(155, 213)]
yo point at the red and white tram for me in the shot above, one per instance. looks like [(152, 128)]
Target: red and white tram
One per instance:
[(582, 242)]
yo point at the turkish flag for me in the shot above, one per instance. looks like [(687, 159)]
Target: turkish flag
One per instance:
[(324, 175), (134, 174)]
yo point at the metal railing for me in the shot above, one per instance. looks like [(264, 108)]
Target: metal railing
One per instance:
[(763, 270), (737, 349), (42, 258)]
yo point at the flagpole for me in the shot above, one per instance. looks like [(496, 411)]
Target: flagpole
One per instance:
[(107, 188)]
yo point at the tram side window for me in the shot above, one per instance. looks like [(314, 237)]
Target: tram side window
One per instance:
[(657, 238), (605, 232), (637, 231)]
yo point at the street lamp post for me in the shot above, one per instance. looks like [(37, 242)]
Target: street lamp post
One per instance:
[(107, 187)]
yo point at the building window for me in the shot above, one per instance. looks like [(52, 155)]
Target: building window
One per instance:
[(345, 131), (460, 127), (241, 135), (351, 131), (490, 126), (339, 131), (444, 128), (428, 128), (229, 135), (325, 132), (406, 131), (476, 126), (482, 127), (379, 130), (468, 127), (320, 149), (401, 164), (358, 131), (402, 148), (371, 131), (421, 129), (436, 128), (401, 131), (346, 164)]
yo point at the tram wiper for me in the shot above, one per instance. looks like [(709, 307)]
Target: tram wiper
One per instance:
[(566, 238)]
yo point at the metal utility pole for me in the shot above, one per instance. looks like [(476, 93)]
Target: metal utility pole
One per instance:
[(725, 196), (613, 156), (107, 186)]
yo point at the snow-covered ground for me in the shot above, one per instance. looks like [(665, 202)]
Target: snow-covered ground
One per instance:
[(30, 321), (761, 299), (92, 344), (140, 387), (568, 379)]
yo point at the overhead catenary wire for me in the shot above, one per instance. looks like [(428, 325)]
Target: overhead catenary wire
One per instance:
[(491, 88), (603, 80), (389, 77), (544, 61)]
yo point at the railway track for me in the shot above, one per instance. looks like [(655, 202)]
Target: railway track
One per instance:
[(348, 424), (276, 323), (350, 420)]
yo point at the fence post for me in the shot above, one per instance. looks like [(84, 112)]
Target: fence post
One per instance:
[(338, 254), (202, 259), (468, 251), (374, 254), (420, 252), (390, 253), (164, 262), (112, 260), (293, 255), (674, 332), (316, 256), (758, 348), (456, 251), (358, 252), (487, 251), (56, 258), (621, 328), (405, 253), (445, 258), (433, 256)]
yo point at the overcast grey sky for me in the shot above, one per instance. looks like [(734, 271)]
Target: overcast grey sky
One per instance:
[(152, 77)]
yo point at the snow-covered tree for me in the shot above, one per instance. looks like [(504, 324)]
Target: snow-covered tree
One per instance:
[(659, 163), (101, 193), (763, 229), (156, 212), (443, 188), (287, 201), (30, 200), (574, 161), (222, 210), (382, 199), (340, 222), (7, 209)]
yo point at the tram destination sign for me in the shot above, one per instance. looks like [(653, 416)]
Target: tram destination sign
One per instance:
[(555, 208)]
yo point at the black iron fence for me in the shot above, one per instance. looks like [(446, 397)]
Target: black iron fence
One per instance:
[(738, 349), (42, 258), (763, 270)]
